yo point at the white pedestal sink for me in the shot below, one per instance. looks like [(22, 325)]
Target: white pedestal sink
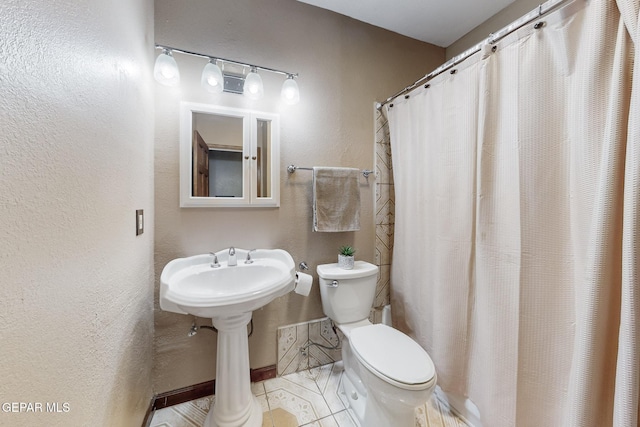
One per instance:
[(228, 294)]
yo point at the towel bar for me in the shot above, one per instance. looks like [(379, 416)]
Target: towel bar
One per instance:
[(292, 169)]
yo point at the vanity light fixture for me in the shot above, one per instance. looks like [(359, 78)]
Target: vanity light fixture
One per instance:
[(214, 80), (166, 69)]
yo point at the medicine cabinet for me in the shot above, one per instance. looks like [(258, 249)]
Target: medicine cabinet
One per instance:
[(228, 157)]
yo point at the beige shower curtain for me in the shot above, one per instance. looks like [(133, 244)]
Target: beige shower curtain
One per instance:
[(515, 257)]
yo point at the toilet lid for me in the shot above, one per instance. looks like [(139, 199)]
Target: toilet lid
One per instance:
[(392, 354)]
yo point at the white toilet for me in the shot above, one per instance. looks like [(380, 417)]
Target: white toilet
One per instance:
[(387, 374)]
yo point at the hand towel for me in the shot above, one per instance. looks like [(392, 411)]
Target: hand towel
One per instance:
[(336, 199)]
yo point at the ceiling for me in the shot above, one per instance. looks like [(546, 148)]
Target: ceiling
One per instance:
[(439, 22)]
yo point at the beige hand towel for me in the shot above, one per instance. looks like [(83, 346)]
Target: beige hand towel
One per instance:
[(336, 199)]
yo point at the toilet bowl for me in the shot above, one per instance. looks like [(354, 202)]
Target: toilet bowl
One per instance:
[(386, 373)]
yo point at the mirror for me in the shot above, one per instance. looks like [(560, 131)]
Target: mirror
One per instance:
[(264, 161), (229, 157), (217, 156)]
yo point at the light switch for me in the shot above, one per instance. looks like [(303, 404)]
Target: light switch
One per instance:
[(139, 222)]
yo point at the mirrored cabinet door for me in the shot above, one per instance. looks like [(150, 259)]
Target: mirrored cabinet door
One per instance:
[(217, 147), (228, 157), (265, 166)]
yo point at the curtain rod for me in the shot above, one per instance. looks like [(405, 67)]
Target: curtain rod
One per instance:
[(542, 9)]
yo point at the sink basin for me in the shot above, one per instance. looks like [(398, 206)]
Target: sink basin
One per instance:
[(191, 286), (228, 295)]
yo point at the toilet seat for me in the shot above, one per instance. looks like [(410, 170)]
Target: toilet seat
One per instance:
[(393, 356)]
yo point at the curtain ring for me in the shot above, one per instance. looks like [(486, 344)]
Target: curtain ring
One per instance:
[(539, 25)]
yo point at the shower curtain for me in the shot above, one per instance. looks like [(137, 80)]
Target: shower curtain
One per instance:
[(517, 192)]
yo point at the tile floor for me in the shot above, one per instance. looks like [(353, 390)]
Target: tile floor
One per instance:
[(308, 398)]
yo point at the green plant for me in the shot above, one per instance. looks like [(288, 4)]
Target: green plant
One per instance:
[(347, 250)]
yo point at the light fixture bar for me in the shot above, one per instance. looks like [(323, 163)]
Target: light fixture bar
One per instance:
[(202, 55)]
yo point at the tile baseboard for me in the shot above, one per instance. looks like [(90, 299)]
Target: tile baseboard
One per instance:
[(292, 338)]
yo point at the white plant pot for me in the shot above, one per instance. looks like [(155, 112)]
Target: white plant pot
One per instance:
[(345, 261)]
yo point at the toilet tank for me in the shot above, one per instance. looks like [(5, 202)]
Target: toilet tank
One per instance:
[(352, 298)]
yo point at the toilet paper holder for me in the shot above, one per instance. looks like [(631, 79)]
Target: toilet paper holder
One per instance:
[(303, 282)]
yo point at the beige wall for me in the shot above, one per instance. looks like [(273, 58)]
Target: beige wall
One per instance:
[(498, 21), (76, 161), (345, 66)]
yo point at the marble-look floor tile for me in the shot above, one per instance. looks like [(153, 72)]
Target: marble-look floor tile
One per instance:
[(188, 414), (282, 418), (304, 406), (328, 379), (297, 394), (303, 379), (435, 414), (267, 420), (262, 399), (324, 422), (258, 388), (309, 398), (344, 419)]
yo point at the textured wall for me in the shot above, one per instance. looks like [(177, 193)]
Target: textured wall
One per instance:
[(345, 66), (76, 160)]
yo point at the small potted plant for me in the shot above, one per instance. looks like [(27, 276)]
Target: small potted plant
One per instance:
[(346, 257)]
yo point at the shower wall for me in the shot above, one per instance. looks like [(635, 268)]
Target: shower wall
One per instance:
[(384, 208)]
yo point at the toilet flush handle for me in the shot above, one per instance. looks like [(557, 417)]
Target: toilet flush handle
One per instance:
[(333, 284)]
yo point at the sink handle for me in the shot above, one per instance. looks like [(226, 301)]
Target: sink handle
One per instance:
[(214, 262), (249, 260), (231, 260)]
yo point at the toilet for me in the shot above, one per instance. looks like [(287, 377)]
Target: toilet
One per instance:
[(386, 373)]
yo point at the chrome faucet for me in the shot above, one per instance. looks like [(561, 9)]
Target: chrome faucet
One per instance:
[(249, 260), (214, 261), (232, 262)]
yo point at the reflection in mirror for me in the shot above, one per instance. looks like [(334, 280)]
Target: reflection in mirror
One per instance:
[(264, 161), (217, 156)]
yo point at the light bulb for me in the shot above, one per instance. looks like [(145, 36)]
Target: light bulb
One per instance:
[(166, 69), (212, 79), (168, 72), (253, 88), (290, 93)]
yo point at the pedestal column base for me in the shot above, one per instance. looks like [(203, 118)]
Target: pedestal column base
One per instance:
[(234, 405)]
